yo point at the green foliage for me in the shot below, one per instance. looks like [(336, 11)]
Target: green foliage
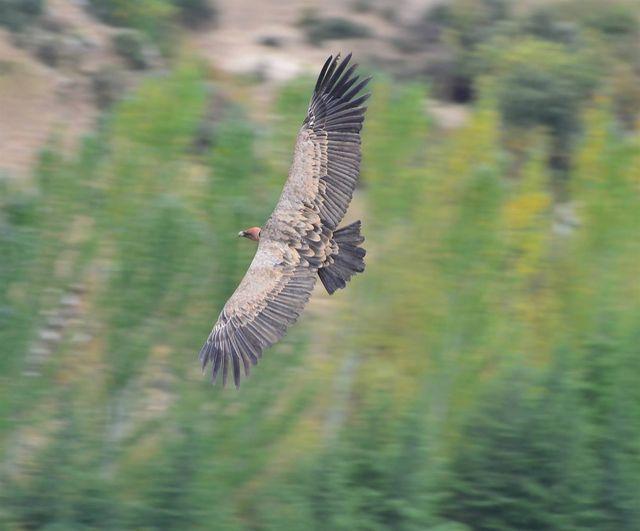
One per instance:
[(160, 117), (17, 14), (156, 18), (467, 40), (539, 83), (50, 50), (467, 307), (482, 373), (396, 138), (617, 20), (319, 29), (130, 45), (108, 85), (133, 219), (469, 20), (543, 23), (72, 461), (456, 29), (522, 459), (196, 13), (152, 17)]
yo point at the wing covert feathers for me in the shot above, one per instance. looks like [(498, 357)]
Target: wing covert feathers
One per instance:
[(242, 333)]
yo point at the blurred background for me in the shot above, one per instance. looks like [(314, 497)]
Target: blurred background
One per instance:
[(483, 374)]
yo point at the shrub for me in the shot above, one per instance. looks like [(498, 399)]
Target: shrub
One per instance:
[(542, 84), (50, 50), (111, 11), (453, 32), (451, 78), (271, 41), (362, 6), (614, 20), (319, 30), (196, 13), (544, 23), (468, 22), (152, 17), (108, 86), (16, 14), (625, 91), (492, 483), (131, 46)]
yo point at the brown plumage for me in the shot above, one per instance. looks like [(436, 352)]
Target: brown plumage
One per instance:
[(300, 241)]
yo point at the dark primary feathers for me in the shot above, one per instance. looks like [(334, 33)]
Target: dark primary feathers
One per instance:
[(299, 241), (335, 114)]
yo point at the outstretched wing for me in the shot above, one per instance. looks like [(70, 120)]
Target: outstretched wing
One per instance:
[(328, 145), (269, 299), (294, 242)]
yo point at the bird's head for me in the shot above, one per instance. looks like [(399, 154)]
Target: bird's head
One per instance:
[(253, 233)]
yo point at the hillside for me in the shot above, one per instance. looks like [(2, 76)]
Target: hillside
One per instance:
[(42, 101), (480, 374)]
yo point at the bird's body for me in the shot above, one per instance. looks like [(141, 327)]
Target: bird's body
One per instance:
[(300, 241)]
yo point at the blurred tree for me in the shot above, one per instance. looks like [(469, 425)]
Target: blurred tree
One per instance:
[(455, 30), (153, 17), (62, 485), (522, 461), (541, 84), (132, 46)]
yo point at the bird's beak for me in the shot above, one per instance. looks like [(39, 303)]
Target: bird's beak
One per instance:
[(241, 234)]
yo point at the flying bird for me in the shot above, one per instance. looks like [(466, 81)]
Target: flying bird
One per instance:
[(301, 240)]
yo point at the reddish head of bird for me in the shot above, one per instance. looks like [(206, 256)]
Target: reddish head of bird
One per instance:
[(253, 233)]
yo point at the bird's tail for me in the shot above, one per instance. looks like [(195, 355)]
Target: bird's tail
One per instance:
[(347, 261)]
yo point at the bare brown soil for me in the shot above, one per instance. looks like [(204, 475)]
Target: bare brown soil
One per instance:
[(37, 101)]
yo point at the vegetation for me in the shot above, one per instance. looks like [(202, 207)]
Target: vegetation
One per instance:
[(543, 64), (196, 13), (464, 37), (17, 14), (133, 48), (539, 84), (50, 50), (482, 374), (319, 29), (108, 85), (156, 18)]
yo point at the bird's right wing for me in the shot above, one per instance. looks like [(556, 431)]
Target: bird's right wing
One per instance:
[(269, 299)]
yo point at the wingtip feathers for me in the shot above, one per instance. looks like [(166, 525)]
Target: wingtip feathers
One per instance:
[(336, 87)]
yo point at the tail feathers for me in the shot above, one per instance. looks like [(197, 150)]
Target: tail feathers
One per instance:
[(347, 262)]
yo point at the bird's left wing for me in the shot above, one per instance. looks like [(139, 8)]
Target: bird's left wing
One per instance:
[(326, 161), (269, 299)]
